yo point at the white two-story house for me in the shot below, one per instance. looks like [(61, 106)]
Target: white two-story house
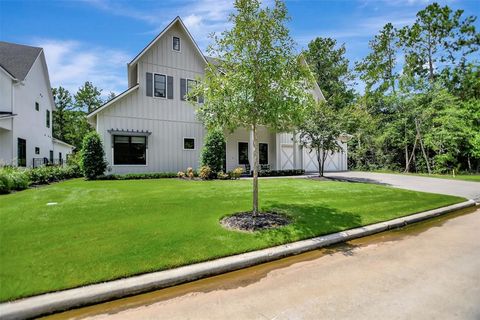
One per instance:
[(26, 106), (152, 128)]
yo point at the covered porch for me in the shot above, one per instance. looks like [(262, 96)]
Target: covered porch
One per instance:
[(277, 151)]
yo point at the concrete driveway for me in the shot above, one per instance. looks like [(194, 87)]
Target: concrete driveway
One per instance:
[(467, 189)]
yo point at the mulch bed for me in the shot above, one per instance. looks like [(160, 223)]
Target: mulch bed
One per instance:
[(246, 221)]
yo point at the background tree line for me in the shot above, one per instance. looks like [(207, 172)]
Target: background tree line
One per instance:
[(69, 119), (420, 110)]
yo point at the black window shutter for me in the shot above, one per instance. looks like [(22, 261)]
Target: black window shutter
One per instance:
[(170, 87), (149, 80), (183, 89)]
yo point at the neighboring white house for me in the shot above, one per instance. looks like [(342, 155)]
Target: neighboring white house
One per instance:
[(26, 106), (150, 127)]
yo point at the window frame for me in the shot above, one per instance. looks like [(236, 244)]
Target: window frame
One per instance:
[(259, 152), (186, 89), (129, 142), (153, 85), (194, 144), (179, 44), (23, 144), (37, 106)]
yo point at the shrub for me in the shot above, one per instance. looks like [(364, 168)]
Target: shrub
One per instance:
[(223, 176), (213, 152), (236, 173), (93, 162), (205, 173), (13, 179), (190, 173), (277, 173), (138, 176), (181, 174)]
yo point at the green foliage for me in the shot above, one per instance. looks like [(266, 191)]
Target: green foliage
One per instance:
[(48, 174), (13, 179), (93, 162), (138, 176), (259, 79), (320, 132), (213, 153), (88, 98), (332, 71), (281, 173)]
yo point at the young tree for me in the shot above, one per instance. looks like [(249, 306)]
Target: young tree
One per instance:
[(92, 161), (88, 97), (213, 153), (319, 132), (259, 80), (331, 69)]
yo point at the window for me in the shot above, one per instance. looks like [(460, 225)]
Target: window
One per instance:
[(186, 86), (189, 143), (48, 119), (51, 156), (60, 158), (176, 43), (243, 153), (160, 86), (129, 150), (37, 106), (22, 152), (263, 151), (37, 150)]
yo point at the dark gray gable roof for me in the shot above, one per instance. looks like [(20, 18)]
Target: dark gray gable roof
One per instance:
[(17, 59)]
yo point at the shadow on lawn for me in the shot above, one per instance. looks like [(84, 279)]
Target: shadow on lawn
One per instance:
[(356, 180), (309, 221)]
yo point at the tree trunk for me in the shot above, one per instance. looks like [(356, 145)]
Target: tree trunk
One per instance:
[(320, 163), (407, 165), (255, 170), (422, 147)]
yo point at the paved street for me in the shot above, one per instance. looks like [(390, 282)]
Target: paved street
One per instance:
[(428, 270), (467, 189)]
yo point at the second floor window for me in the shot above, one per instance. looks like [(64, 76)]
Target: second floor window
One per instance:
[(48, 119), (176, 43), (160, 86)]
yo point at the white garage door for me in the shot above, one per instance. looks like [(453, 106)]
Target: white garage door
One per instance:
[(332, 163), (286, 156)]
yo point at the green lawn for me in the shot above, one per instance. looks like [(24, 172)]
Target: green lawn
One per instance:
[(465, 177), (102, 230)]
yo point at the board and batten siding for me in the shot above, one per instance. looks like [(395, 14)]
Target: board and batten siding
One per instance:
[(168, 120)]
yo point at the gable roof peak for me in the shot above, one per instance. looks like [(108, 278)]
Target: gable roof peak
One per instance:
[(180, 21)]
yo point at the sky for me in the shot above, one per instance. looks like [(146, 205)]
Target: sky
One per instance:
[(94, 39)]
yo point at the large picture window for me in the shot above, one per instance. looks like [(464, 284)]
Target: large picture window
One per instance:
[(129, 150), (160, 86)]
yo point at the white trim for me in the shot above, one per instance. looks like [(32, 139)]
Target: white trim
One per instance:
[(153, 85), (55, 140), (180, 43), (125, 93), (8, 74), (154, 41), (194, 144)]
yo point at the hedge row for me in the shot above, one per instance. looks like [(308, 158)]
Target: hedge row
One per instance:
[(137, 176), (19, 179), (280, 173)]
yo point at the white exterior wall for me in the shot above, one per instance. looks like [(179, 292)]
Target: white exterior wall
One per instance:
[(30, 124), (27, 123), (168, 120), (63, 148)]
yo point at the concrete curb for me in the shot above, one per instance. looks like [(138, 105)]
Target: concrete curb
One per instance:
[(63, 300)]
